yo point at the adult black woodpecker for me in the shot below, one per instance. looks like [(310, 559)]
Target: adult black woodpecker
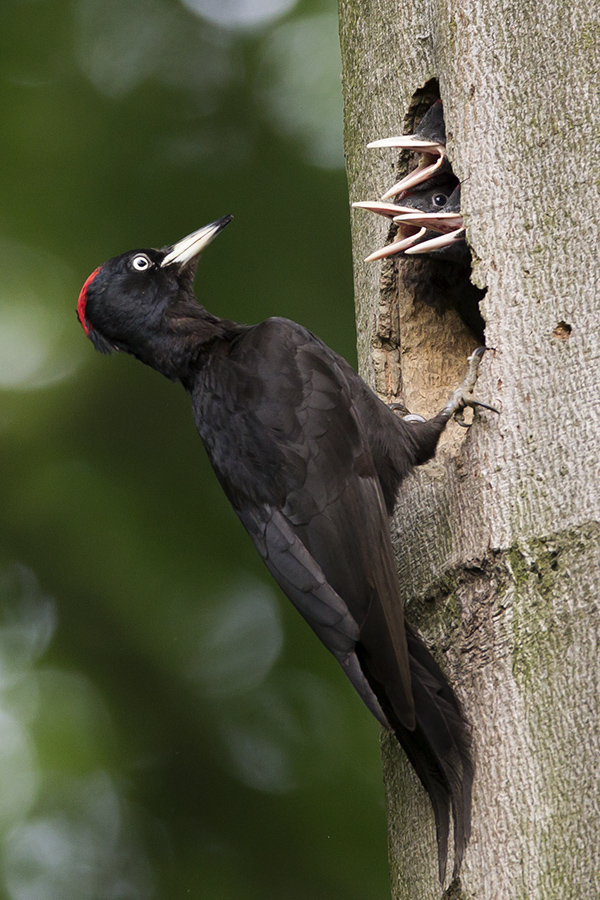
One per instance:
[(311, 460)]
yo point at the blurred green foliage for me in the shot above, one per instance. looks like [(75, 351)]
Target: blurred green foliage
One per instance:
[(168, 726)]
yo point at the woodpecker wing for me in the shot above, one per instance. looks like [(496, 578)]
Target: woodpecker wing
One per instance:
[(295, 462)]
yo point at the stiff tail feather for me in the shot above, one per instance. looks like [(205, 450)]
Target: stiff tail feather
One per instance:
[(439, 750)]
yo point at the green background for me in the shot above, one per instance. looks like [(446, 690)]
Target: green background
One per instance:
[(169, 727)]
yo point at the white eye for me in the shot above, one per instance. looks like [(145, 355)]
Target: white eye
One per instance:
[(140, 262)]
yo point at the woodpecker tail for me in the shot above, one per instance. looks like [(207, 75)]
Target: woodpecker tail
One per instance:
[(439, 750)]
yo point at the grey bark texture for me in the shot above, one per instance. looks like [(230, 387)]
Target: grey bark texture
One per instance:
[(498, 539)]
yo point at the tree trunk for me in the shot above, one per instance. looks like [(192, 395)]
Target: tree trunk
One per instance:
[(498, 539)]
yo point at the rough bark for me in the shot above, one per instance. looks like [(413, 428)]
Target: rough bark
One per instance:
[(498, 540)]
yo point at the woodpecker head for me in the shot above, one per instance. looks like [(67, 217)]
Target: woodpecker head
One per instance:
[(122, 304), (436, 211)]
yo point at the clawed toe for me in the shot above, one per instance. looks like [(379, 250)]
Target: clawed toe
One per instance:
[(463, 395), (404, 413)]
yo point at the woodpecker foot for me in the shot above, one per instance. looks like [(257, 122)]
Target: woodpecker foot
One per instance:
[(403, 412), (463, 395)]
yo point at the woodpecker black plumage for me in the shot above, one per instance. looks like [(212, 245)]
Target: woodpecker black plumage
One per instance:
[(311, 460)]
